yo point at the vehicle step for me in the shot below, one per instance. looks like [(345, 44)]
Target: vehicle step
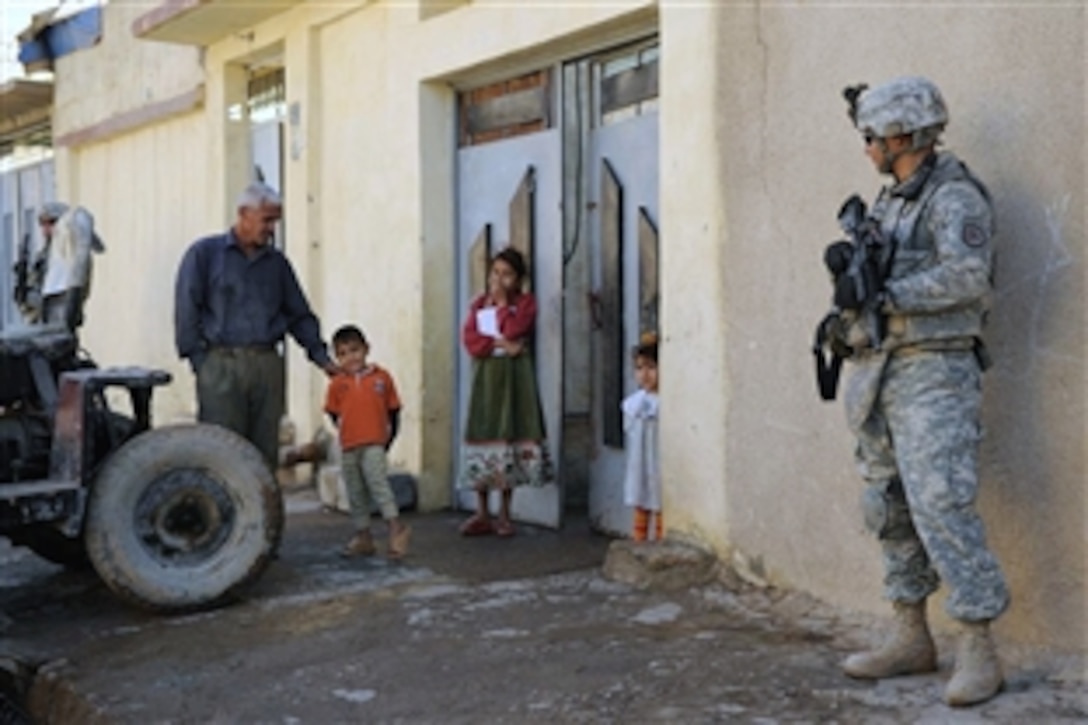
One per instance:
[(13, 491)]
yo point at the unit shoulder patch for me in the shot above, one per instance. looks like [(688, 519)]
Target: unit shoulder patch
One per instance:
[(974, 235)]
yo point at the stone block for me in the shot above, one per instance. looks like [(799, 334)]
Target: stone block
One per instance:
[(54, 699), (666, 565)]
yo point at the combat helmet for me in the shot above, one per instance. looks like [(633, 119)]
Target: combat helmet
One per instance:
[(909, 105)]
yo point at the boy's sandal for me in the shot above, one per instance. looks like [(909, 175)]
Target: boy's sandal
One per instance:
[(358, 546), (505, 529), (398, 542), (477, 526)]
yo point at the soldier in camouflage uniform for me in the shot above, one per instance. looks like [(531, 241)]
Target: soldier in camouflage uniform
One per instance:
[(58, 279), (913, 399)]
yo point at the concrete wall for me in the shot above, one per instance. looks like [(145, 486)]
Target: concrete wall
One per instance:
[(146, 195), (370, 173), (121, 74), (764, 470), (139, 161), (756, 156)]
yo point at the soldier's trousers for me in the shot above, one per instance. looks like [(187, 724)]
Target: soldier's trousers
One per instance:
[(918, 452), (241, 388)]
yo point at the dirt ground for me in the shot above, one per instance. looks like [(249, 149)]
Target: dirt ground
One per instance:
[(467, 631)]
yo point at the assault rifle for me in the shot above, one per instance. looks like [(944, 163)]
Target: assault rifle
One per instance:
[(869, 264), (859, 268)]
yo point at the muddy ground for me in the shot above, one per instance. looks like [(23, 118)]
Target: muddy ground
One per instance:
[(468, 631)]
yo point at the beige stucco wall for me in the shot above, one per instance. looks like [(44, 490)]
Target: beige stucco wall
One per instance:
[(121, 73), (148, 205), (769, 455), (143, 176), (756, 155)]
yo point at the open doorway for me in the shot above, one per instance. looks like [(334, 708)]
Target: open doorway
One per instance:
[(265, 112), (266, 106)]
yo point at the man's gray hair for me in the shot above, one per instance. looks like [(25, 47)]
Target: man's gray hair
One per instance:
[(258, 194), (52, 210)]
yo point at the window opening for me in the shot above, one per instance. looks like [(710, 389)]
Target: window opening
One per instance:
[(267, 95), (627, 83), (510, 108)]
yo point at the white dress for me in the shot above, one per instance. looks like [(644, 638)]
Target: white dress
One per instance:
[(642, 484)]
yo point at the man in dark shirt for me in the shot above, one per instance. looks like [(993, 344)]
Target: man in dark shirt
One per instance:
[(236, 297)]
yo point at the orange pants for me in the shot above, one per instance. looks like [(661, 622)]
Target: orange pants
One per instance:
[(641, 528)]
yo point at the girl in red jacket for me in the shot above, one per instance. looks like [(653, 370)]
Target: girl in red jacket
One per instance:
[(504, 433)]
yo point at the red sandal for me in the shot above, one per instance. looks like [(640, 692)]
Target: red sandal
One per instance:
[(477, 526)]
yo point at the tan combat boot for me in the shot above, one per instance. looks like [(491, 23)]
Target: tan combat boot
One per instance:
[(977, 675), (909, 650)]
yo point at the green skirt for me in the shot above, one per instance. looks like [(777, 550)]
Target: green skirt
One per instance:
[(504, 434)]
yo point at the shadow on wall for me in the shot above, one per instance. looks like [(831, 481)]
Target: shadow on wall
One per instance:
[(1032, 493)]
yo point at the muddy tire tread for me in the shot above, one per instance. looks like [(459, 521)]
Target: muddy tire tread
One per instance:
[(147, 452)]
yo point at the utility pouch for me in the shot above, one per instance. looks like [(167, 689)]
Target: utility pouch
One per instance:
[(828, 366)]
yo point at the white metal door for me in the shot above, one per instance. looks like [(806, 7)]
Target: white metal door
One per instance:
[(9, 247), (626, 150), (23, 190), (488, 176)]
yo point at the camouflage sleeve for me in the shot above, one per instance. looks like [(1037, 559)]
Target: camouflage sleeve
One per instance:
[(961, 222)]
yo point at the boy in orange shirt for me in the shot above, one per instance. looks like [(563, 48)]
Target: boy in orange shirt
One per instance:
[(362, 401)]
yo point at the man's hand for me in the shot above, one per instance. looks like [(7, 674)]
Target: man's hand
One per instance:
[(331, 369), (837, 257)]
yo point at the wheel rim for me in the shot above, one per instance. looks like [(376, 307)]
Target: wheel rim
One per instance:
[(184, 516)]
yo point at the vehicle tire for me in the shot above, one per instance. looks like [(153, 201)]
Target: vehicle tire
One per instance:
[(50, 544), (182, 517)]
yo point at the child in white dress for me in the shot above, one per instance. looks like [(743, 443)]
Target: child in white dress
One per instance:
[(642, 484)]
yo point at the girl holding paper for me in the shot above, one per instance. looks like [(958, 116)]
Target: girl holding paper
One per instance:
[(504, 433)]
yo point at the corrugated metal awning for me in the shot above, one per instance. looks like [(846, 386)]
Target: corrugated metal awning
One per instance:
[(26, 112), (202, 22)]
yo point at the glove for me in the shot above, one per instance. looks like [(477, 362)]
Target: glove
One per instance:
[(846, 293), (837, 257)]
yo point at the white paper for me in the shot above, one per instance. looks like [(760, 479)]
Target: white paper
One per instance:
[(487, 322)]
